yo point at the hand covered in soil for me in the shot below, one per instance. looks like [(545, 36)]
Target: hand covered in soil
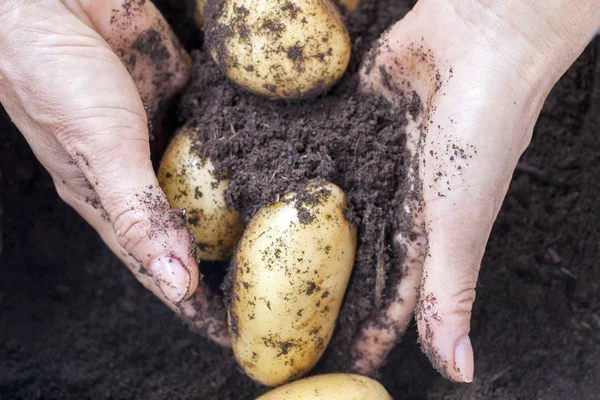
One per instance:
[(482, 71), (71, 75)]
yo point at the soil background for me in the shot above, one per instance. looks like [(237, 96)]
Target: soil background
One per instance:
[(75, 324)]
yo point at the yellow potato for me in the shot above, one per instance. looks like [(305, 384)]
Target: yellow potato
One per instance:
[(330, 387), (188, 182), (292, 267), (284, 49), (199, 12), (348, 5)]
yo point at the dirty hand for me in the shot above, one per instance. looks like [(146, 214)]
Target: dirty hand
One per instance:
[(64, 81), (482, 70)]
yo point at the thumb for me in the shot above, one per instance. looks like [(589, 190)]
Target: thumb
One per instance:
[(70, 93), (107, 137), (108, 141), (466, 170), (459, 227), (117, 164)]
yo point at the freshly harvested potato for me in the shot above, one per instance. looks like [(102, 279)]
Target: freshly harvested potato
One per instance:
[(348, 5), (292, 267), (199, 12), (330, 387), (284, 49), (188, 182)]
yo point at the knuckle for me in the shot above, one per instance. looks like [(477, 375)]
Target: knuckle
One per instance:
[(105, 153), (91, 126), (132, 228), (96, 130), (74, 179), (460, 301)]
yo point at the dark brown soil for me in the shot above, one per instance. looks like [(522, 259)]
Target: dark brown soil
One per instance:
[(75, 324)]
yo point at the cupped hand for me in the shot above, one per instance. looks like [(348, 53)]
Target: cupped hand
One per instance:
[(482, 70), (82, 79)]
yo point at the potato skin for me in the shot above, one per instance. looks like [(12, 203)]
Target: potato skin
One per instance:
[(348, 5), (292, 268), (286, 49), (188, 182), (330, 387)]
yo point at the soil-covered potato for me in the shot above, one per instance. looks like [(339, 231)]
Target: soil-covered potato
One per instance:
[(279, 48), (330, 387), (188, 182), (292, 267)]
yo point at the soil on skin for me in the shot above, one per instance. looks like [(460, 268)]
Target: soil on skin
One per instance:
[(269, 148), (75, 324)]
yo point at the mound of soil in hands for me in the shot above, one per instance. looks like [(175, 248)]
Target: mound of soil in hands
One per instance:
[(268, 149), (74, 323)]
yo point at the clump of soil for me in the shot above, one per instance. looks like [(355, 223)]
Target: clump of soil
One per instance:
[(74, 323)]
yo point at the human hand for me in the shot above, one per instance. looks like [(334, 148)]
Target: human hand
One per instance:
[(71, 75), (482, 70)]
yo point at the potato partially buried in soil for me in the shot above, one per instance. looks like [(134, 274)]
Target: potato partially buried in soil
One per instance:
[(284, 49), (330, 387), (292, 267), (189, 183)]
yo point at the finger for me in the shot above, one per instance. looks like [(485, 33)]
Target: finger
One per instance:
[(146, 44), (151, 52), (203, 311), (119, 170), (105, 133), (459, 227), (160, 67), (395, 69), (379, 335), (115, 159), (473, 142), (469, 167)]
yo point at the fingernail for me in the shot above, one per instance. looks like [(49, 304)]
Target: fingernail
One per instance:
[(463, 359), (171, 277)]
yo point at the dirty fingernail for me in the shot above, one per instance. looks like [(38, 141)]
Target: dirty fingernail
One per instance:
[(171, 277), (463, 359)]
